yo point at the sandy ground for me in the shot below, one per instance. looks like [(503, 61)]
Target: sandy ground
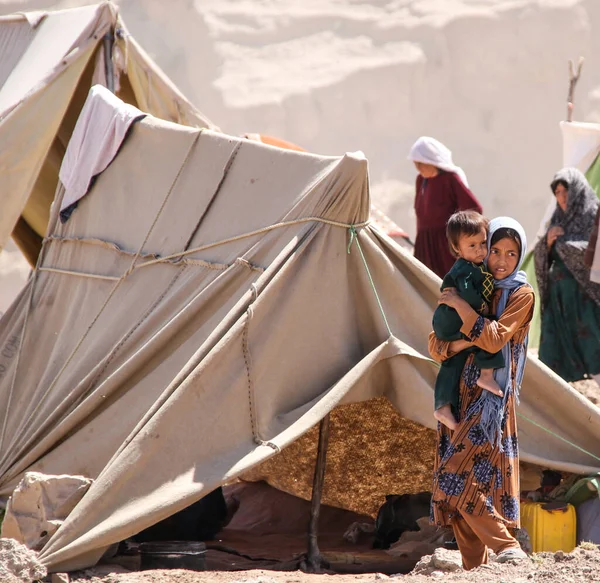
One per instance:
[(583, 564)]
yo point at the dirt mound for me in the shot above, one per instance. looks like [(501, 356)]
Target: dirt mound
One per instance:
[(18, 564)]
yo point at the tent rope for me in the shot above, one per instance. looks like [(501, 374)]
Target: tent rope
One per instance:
[(354, 238), (559, 437), (181, 254)]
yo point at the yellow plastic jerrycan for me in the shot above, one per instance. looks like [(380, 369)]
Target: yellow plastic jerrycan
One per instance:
[(550, 530)]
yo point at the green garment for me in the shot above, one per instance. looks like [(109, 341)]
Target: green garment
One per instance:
[(475, 285), (570, 337)]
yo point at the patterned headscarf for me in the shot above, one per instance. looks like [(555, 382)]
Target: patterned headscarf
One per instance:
[(577, 222)]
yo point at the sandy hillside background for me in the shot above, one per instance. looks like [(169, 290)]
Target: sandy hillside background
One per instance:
[(487, 77)]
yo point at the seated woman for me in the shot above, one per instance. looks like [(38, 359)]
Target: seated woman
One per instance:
[(476, 473), (570, 302)]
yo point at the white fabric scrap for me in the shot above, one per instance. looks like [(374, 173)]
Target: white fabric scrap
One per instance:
[(431, 151), (34, 18), (581, 144), (595, 270), (98, 135)]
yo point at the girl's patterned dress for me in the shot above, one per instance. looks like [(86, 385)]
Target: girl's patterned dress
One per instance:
[(470, 475)]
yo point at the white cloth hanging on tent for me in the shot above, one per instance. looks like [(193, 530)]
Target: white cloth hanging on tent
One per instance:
[(103, 115), (581, 144)]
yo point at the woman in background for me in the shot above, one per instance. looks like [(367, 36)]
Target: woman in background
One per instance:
[(570, 302), (441, 190)]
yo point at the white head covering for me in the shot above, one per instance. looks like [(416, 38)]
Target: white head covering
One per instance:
[(430, 151)]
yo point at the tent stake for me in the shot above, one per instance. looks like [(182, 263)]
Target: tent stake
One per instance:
[(108, 42), (314, 560)]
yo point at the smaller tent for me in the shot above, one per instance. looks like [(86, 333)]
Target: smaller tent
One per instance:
[(48, 62)]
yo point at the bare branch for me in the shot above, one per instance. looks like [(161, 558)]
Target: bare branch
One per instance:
[(573, 78)]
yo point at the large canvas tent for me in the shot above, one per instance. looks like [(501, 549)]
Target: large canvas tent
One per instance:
[(48, 62), (206, 304)]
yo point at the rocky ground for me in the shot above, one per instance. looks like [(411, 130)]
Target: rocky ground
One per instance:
[(583, 564)]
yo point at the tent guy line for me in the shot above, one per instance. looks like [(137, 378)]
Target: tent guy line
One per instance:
[(354, 238), (181, 254), (559, 437)]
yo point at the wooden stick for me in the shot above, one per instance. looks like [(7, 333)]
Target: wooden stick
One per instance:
[(314, 561), (573, 78)]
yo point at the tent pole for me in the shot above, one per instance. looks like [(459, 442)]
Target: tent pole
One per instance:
[(108, 41), (314, 560)]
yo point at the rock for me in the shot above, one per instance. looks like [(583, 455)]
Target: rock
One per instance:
[(440, 560), (39, 505), (381, 576), (524, 540), (18, 564), (446, 560)]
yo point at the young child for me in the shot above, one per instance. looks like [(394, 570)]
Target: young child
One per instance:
[(467, 236)]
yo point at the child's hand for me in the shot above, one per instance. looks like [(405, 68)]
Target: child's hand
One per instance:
[(450, 297)]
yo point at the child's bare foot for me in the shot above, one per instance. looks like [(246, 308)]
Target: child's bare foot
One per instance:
[(444, 416), (486, 381)]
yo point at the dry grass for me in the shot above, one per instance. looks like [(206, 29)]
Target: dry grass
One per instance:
[(373, 451)]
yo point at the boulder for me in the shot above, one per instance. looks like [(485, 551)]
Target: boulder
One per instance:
[(39, 505), (441, 560)]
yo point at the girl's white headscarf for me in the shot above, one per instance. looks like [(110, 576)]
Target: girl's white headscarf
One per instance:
[(430, 151)]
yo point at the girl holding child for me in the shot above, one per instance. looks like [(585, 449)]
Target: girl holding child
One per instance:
[(476, 477)]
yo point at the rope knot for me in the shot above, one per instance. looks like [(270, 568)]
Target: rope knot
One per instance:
[(353, 236)]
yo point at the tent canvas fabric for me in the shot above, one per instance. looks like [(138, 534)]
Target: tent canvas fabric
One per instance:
[(147, 354), (49, 61)]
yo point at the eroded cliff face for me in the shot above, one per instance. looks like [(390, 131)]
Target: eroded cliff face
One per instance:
[(487, 77)]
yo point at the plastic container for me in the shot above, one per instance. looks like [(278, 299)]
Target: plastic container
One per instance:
[(550, 530), (189, 555)]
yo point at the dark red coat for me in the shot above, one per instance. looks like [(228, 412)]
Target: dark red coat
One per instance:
[(436, 200)]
